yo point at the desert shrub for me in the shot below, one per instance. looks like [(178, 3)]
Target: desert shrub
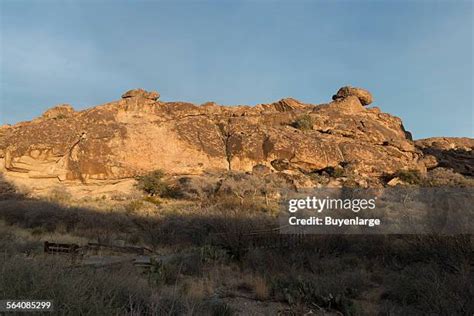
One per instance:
[(334, 291), (211, 254), (175, 229), (213, 187), (46, 217), (59, 194), (447, 177), (9, 191), (77, 292), (241, 185), (256, 260), (214, 307), (11, 244), (171, 304), (255, 284), (219, 308), (450, 252), (161, 273), (152, 183), (189, 263), (195, 188), (232, 224), (338, 172), (319, 178), (60, 116), (152, 199), (133, 206), (169, 271), (427, 289), (250, 189), (409, 176), (224, 224), (304, 122)]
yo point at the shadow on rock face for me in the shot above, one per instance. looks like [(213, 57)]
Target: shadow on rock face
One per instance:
[(460, 160)]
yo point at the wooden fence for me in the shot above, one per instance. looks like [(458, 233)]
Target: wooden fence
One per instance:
[(57, 248), (63, 248), (266, 239)]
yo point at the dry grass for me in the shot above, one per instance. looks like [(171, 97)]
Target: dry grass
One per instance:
[(334, 272), (260, 288), (199, 288)]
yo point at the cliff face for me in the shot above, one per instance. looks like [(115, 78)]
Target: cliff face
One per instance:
[(138, 133)]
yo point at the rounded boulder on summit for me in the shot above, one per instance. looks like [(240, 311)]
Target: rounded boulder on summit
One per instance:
[(364, 96), (140, 93)]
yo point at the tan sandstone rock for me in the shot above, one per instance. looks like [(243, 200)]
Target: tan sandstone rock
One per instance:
[(136, 134), (59, 111), (140, 93), (364, 96), (456, 153)]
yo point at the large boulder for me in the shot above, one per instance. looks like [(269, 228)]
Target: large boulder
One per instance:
[(364, 96), (141, 93)]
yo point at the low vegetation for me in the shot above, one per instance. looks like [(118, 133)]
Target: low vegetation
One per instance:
[(409, 176), (204, 262), (304, 122), (438, 177), (153, 183)]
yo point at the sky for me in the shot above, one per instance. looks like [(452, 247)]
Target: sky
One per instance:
[(416, 57)]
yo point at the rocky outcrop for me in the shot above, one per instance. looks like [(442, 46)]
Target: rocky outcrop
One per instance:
[(59, 111), (455, 153), (137, 134)]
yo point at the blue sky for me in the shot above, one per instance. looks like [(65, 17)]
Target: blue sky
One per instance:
[(416, 57)]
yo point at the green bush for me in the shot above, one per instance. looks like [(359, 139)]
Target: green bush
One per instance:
[(152, 183), (304, 122)]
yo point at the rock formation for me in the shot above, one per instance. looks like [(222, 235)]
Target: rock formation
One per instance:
[(59, 111), (137, 134), (364, 96), (140, 93), (455, 153)]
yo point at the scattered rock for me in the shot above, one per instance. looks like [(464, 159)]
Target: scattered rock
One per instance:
[(395, 181)]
